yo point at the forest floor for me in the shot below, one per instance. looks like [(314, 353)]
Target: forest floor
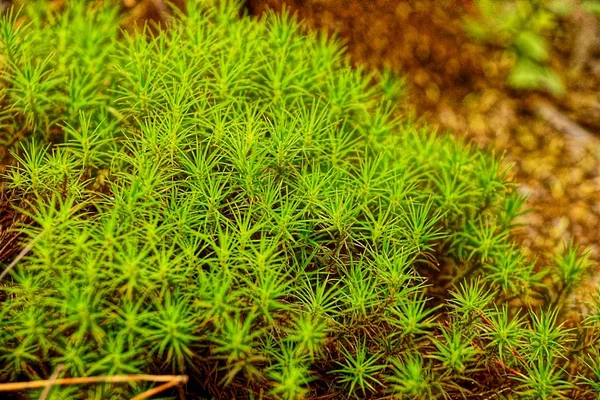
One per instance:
[(460, 85)]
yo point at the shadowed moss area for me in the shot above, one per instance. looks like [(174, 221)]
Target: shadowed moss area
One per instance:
[(229, 199)]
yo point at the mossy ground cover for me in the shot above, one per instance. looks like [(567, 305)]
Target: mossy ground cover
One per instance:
[(230, 200), (463, 85)]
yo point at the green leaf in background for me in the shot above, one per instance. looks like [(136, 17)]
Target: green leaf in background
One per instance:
[(476, 29), (591, 7), (561, 7), (532, 45), (552, 82), (529, 75)]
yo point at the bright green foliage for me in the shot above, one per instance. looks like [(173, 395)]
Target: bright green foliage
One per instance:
[(570, 268), (411, 378), (229, 199)]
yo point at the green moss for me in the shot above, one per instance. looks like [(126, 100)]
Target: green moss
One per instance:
[(230, 200)]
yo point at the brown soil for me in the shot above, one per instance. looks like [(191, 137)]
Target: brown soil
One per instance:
[(460, 85)]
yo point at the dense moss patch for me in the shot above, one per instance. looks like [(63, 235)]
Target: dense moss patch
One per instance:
[(230, 200)]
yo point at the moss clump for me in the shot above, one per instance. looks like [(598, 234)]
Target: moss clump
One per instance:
[(230, 200)]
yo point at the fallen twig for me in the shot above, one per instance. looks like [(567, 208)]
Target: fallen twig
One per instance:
[(151, 392), (563, 124), (53, 377), (170, 381)]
